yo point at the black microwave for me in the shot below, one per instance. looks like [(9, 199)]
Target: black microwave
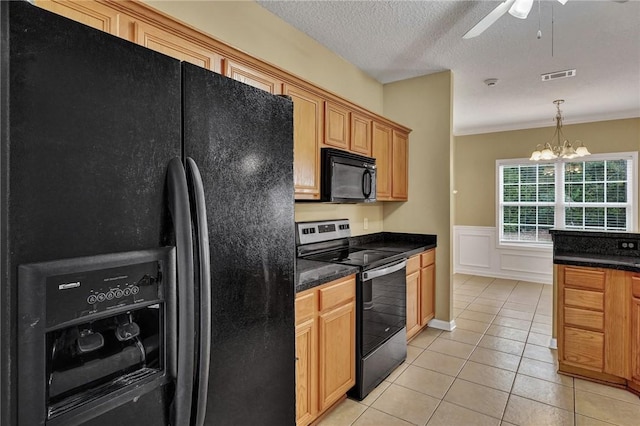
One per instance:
[(347, 177)]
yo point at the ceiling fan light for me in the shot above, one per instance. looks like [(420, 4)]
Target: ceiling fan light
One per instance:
[(521, 8), (562, 2)]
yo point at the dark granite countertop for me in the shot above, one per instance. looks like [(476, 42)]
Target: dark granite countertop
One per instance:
[(310, 273), (598, 249)]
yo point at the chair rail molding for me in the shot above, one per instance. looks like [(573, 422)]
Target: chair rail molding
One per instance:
[(476, 252)]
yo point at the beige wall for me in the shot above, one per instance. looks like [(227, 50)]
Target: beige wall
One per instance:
[(476, 155), (247, 26), (425, 105)]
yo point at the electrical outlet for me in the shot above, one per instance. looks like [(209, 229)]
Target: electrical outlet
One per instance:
[(628, 244), (365, 224)]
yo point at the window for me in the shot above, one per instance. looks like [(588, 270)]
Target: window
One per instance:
[(597, 193)]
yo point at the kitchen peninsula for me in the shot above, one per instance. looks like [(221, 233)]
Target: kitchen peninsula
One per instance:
[(597, 281)]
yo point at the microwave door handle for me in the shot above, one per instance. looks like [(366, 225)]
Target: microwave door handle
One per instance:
[(366, 183)]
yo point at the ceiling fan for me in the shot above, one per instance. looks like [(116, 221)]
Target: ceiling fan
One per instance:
[(517, 8)]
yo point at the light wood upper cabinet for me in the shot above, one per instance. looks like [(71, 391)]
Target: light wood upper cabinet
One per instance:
[(93, 14), (399, 166), (381, 151), (252, 77), (336, 125), (162, 41), (360, 134), (307, 133)]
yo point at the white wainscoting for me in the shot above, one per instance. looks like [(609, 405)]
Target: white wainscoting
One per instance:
[(476, 252)]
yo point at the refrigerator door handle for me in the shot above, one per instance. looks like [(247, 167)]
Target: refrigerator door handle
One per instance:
[(182, 359), (199, 217)]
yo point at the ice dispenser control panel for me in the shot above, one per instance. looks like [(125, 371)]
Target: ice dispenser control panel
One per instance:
[(76, 295)]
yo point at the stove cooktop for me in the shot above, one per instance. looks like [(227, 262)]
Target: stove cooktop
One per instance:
[(352, 256)]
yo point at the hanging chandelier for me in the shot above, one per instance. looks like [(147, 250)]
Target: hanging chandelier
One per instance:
[(559, 146)]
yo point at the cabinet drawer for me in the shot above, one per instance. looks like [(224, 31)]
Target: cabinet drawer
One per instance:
[(585, 278), (413, 264), (428, 257), (583, 318), (337, 294), (584, 298), (584, 348), (635, 285), (305, 307)]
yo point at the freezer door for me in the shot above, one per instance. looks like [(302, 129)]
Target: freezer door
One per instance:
[(89, 124), (241, 139)]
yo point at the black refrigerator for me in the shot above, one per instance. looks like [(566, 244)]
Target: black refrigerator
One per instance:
[(146, 235)]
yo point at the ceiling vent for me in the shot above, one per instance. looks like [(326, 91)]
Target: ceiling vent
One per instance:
[(558, 74)]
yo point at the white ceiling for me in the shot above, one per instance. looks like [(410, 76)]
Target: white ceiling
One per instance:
[(396, 40)]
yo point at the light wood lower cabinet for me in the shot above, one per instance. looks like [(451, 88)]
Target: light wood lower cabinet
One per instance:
[(420, 291), (599, 324), (325, 347)]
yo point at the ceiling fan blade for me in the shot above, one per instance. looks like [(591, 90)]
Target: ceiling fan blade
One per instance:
[(562, 2), (488, 20), (521, 8)]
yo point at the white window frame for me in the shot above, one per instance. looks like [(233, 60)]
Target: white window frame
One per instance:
[(560, 204)]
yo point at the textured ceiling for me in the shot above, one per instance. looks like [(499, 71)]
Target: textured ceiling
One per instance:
[(396, 40)]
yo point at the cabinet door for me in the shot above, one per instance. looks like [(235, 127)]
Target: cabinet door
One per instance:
[(360, 134), (93, 14), (162, 41), (635, 339), (413, 304), (252, 77), (427, 294), (336, 125), (381, 151), (399, 168), (306, 363), (307, 132), (337, 353), (583, 348)]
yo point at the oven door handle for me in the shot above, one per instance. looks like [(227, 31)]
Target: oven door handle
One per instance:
[(385, 270)]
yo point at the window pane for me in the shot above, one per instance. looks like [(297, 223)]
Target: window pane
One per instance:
[(528, 193), (573, 216), (528, 214), (573, 192), (528, 233), (528, 174), (617, 218), (511, 193), (594, 217), (510, 214), (594, 171), (510, 174), (617, 192), (547, 193), (543, 234), (594, 192), (510, 232), (573, 172), (617, 170), (546, 174), (546, 215)]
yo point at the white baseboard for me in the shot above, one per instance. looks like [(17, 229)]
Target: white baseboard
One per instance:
[(476, 252), (442, 325), (553, 344)]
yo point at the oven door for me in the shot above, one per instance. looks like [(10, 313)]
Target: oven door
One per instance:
[(383, 304)]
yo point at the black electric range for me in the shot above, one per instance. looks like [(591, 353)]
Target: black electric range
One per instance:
[(381, 339)]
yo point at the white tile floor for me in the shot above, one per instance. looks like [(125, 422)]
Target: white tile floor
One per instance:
[(495, 368)]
